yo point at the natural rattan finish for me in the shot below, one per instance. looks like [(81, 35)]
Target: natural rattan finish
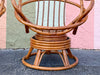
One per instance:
[(49, 39), (2, 7)]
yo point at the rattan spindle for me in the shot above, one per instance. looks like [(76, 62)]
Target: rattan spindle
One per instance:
[(2, 7), (59, 13), (51, 38), (64, 12), (54, 14)]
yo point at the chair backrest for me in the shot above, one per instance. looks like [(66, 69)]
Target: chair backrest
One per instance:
[(50, 13), (2, 7), (49, 6)]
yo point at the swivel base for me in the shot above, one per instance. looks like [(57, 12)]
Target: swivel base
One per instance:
[(50, 47), (68, 66)]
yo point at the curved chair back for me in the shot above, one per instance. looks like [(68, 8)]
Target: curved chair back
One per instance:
[(52, 24)]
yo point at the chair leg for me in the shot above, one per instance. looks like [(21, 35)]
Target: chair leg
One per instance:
[(70, 54), (37, 58), (39, 54), (65, 58), (29, 53), (48, 52)]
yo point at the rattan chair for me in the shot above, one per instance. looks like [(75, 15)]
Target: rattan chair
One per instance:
[(51, 39), (2, 7)]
